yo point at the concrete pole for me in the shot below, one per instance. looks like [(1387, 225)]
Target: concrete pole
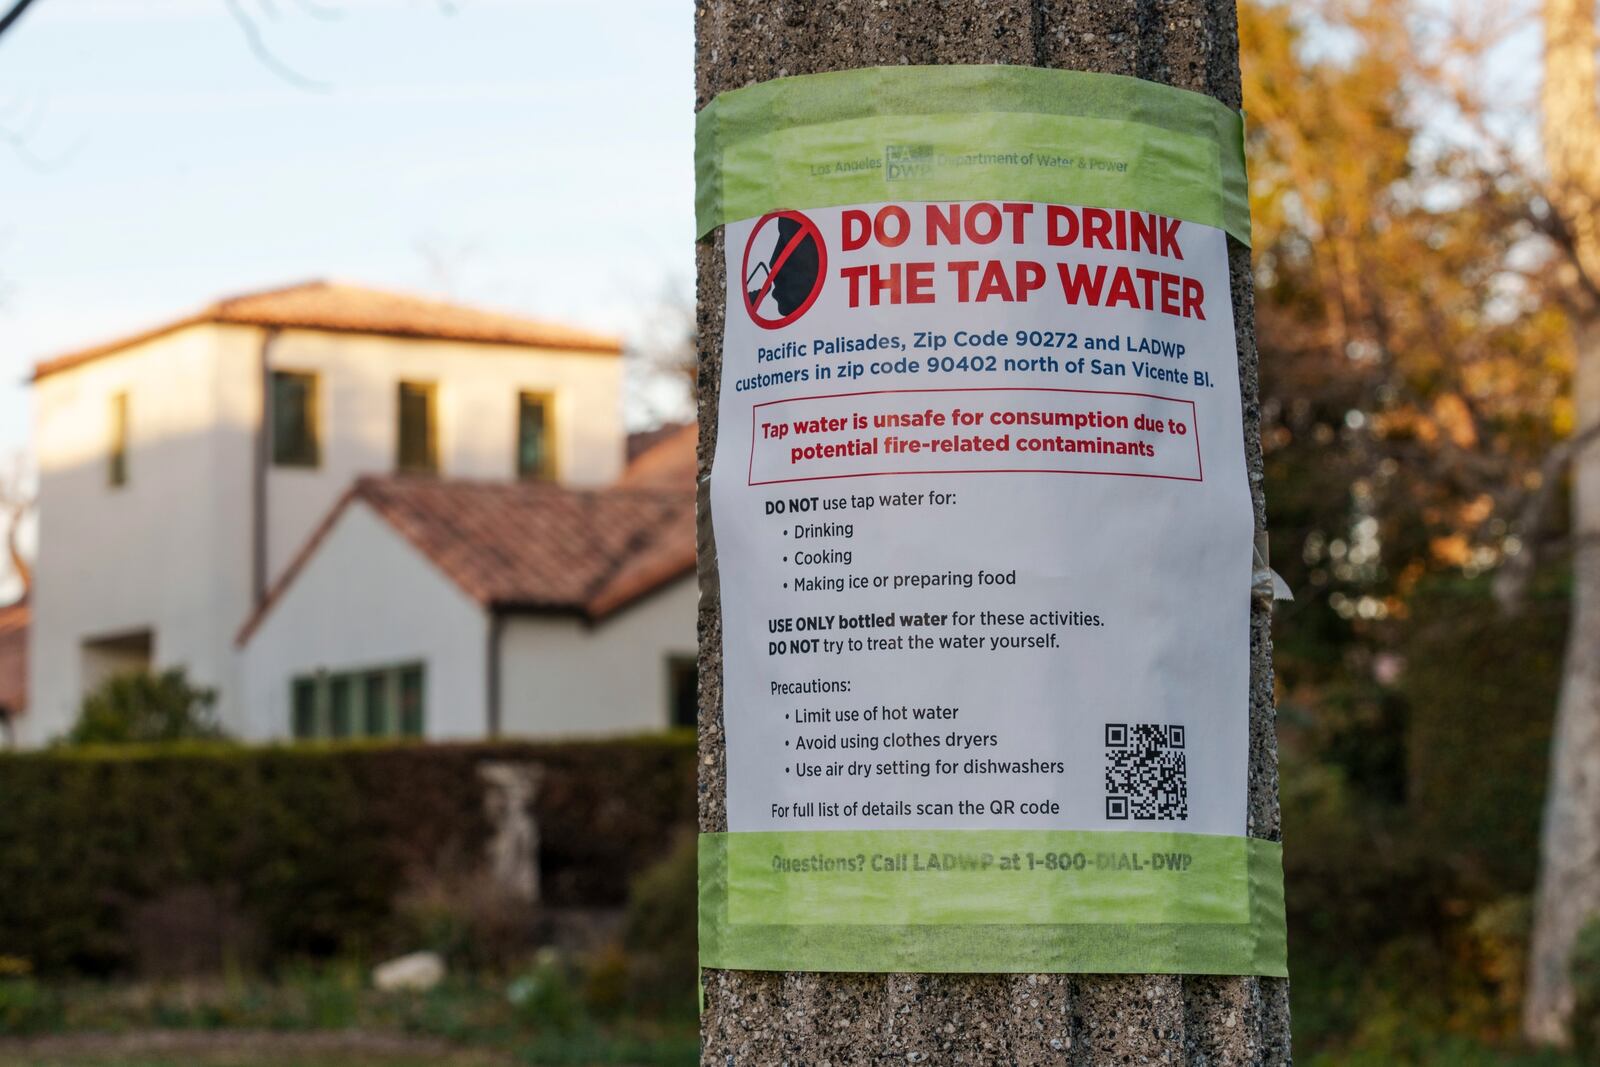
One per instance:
[(764, 1018)]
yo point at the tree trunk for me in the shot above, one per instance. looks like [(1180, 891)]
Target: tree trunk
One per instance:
[(754, 1017), (1569, 872)]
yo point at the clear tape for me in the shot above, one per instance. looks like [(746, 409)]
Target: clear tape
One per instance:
[(908, 133), (1017, 901), (1266, 583), (706, 542)]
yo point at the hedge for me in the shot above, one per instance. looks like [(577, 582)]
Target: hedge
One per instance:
[(311, 844)]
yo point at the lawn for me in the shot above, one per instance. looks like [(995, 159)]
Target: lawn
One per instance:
[(330, 1017), (264, 1048), (240, 1049), (220, 1060)]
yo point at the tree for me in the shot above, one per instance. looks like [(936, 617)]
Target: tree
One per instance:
[(16, 504), (140, 707), (664, 363), (12, 14), (1413, 377), (248, 25), (1428, 325), (1569, 874), (1434, 307)]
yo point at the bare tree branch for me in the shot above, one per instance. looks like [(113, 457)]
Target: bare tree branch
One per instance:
[(317, 11), (17, 499), (21, 144), (1511, 582), (10, 18), (252, 35), (20, 122), (258, 45)]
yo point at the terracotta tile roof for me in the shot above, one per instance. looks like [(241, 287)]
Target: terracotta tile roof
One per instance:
[(642, 441), (341, 308), (528, 547), (669, 462), (14, 657)]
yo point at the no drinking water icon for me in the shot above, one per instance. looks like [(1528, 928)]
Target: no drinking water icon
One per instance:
[(785, 262)]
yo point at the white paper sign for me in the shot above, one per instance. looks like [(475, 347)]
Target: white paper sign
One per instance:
[(982, 521)]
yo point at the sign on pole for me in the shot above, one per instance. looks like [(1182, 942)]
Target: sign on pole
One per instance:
[(983, 529)]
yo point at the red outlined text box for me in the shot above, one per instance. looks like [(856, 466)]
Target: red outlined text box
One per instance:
[(1177, 455)]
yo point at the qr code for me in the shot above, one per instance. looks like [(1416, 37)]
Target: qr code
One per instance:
[(1147, 772)]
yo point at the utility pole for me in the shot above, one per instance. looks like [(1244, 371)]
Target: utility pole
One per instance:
[(814, 1017)]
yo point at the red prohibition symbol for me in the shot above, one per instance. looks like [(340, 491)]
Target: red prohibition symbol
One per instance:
[(785, 262)]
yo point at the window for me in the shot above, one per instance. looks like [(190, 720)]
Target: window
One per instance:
[(305, 708), (683, 678), (536, 457), (418, 445), (117, 453), (104, 656), (382, 702), (339, 687), (411, 702), (377, 704), (294, 420)]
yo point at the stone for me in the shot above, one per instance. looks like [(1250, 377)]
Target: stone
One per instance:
[(513, 845), (417, 972)]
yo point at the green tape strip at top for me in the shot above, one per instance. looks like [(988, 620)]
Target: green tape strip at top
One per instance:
[(970, 133), (992, 901)]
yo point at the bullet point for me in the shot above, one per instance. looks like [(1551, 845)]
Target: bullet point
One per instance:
[(786, 585), (786, 744), (786, 559)]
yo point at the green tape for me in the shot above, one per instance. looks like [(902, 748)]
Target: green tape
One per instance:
[(970, 133), (992, 901)]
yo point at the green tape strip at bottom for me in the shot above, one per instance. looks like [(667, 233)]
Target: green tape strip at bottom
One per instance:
[(992, 901)]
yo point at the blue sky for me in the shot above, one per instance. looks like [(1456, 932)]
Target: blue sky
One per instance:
[(534, 155)]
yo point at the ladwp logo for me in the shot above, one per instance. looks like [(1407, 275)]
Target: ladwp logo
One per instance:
[(903, 161)]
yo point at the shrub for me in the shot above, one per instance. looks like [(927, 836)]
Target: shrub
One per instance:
[(1411, 813), (1586, 993), (544, 998), (138, 707), (662, 934), (607, 981), (468, 918), (310, 845), (26, 1007), (1482, 690)]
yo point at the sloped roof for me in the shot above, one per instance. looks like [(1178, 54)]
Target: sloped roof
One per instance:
[(341, 308), (669, 462), (528, 546), (642, 441), (14, 620)]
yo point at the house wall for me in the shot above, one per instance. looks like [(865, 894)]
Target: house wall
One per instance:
[(365, 600), (560, 676), (166, 552), (477, 389), (171, 551)]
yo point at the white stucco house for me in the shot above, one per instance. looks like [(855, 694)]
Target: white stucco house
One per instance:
[(466, 609), (351, 511)]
